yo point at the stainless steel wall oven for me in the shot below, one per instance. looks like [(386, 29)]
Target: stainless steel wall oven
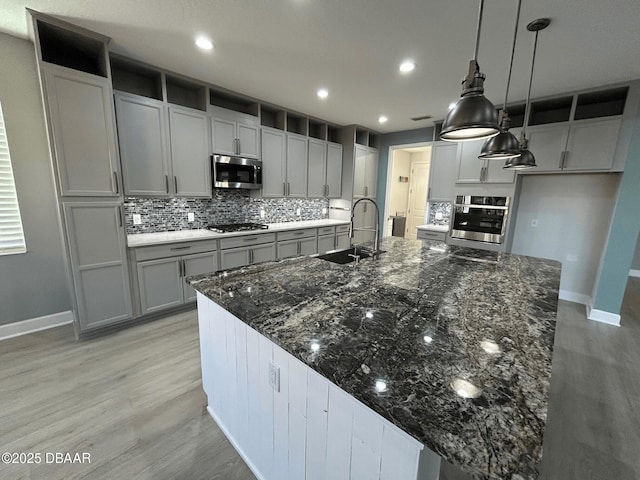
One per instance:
[(480, 218)]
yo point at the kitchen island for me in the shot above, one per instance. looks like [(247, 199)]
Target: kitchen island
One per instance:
[(450, 345)]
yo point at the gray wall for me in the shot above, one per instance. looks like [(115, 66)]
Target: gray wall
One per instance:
[(31, 284), (573, 213)]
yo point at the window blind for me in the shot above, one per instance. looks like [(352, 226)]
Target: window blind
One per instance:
[(11, 234)]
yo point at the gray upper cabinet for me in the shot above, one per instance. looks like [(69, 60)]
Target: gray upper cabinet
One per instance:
[(472, 169), (189, 135), (365, 175), (233, 137), (442, 176), (83, 137), (324, 169), (297, 155), (317, 185), (334, 170), (273, 163), (142, 132), (547, 143), (98, 256)]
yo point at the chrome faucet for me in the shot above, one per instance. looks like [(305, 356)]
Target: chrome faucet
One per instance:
[(376, 242)]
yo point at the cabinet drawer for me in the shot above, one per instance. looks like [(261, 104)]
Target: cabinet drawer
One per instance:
[(326, 230), (246, 240), (342, 228), (293, 234), (175, 249), (429, 235)]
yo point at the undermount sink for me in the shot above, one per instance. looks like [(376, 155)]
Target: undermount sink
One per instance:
[(349, 255)]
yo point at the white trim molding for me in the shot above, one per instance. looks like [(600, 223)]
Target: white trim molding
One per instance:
[(35, 324), (634, 273), (602, 316), (574, 297)]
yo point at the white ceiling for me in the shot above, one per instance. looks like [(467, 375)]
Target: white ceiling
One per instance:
[(282, 51)]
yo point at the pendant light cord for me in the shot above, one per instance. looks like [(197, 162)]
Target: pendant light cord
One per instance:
[(513, 50), (527, 109), (477, 46)]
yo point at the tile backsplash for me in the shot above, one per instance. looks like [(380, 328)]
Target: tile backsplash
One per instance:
[(226, 206), (439, 207)]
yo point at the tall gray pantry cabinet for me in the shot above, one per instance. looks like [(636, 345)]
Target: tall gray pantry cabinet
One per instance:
[(77, 94)]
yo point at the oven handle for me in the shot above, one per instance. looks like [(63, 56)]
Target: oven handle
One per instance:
[(487, 207)]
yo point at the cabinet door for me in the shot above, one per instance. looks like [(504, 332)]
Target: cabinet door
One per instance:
[(190, 153), (342, 241), (334, 170), (143, 148), (592, 145), (470, 166), (234, 258), (371, 173), (359, 176), (82, 126), (308, 246), (224, 136), (248, 140), (263, 253), (160, 284), (442, 178), (326, 243), (547, 144), (273, 164), (197, 265), (296, 166), (98, 255), (287, 249), (316, 185)]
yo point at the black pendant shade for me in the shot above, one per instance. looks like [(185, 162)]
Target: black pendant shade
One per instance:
[(504, 145), (525, 161)]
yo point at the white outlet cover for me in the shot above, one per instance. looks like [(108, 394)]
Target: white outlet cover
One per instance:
[(438, 215), (262, 214), (191, 217), (137, 219), (324, 211), (298, 212)]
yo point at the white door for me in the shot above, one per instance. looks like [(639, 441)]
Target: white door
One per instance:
[(418, 188)]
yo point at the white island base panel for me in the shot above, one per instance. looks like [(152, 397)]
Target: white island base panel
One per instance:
[(308, 428)]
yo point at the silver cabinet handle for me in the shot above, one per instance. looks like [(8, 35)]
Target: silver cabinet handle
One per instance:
[(115, 182), (561, 162), (175, 183), (429, 193), (180, 248), (250, 239), (120, 216), (299, 249), (166, 183), (250, 256), (288, 189), (184, 268), (366, 192), (298, 233), (284, 189), (564, 159)]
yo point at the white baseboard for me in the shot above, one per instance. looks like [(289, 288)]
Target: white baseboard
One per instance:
[(634, 273), (241, 452), (35, 324), (602, 316), (574, 297)]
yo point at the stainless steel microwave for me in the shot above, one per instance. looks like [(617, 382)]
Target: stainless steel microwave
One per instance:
[(236, 172)]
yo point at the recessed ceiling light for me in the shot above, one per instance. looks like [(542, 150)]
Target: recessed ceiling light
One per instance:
[(407, 66), (382, 119), (323, 93), (204, 43)]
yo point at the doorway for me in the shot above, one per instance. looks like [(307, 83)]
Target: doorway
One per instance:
[(407, 188)]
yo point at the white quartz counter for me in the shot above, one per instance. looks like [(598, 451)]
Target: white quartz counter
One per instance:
[(159, 238)]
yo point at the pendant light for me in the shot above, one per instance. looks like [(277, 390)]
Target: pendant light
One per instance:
[(526, 159), (505, 144), (473, 117)]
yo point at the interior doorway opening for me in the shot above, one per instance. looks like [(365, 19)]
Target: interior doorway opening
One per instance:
[(407, 189)]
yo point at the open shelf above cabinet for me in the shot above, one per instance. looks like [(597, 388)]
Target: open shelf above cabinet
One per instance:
[(553, 110), (334, 134), (362, 136), (238, 103), (317, 130), (272, 117), (71, 49), (297, 124), (131, 77), (186, 93), (604, 103), (516, 114)]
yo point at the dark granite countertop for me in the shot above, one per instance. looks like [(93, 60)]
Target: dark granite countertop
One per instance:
[(400, 331)]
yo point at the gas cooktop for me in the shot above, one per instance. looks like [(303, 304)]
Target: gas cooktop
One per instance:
[(237, 227)]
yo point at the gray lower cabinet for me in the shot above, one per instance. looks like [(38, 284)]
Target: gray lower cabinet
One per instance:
[(161, 281), (98, 256), (342, 240), (326, 243), (142, 134), (241, 256), (81, 122), (293, 248)]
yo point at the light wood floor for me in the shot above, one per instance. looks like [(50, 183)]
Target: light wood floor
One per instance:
[(134, 401)]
